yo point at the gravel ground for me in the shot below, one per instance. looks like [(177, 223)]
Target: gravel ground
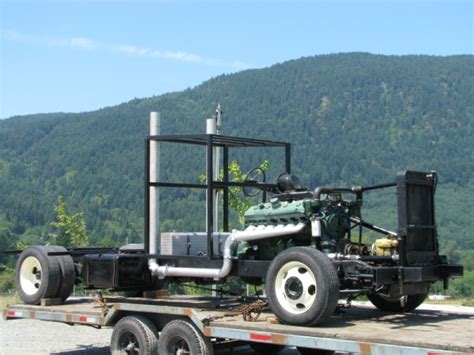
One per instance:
[(26, 336)]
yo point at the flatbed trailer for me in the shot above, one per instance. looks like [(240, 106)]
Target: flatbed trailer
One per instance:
[(358, 329)]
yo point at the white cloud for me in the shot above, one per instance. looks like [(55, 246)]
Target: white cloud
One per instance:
[(83, 43), (153, 53)]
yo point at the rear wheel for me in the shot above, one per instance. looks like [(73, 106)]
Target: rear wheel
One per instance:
[(37, 275), (68, 273), (395, 305), (180, 337), (302, 286), (134, 335)]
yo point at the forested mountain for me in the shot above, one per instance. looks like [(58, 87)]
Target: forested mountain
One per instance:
[(352, 119)]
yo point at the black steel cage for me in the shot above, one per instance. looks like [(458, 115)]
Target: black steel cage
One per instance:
[(210, 141)]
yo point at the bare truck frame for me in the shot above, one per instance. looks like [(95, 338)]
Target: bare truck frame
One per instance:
[(301, 243)]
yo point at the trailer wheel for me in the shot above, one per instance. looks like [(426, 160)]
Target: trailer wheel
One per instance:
[(268, 349), (302, 286), (134, 335), (37, 275), (181, 337), (394, 305), (68, 273)]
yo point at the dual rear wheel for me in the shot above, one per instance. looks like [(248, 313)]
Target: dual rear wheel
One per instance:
[(39, 275)]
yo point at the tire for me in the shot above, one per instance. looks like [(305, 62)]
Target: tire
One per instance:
[(302, 286), (394, 306), (37, 275), (68, 272), (134, 335), (266, 349), (308, 351), (181, 335)]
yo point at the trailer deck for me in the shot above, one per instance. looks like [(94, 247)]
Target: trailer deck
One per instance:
[(359, 329)]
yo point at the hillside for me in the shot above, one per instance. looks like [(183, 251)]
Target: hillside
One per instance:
[(352, 119)]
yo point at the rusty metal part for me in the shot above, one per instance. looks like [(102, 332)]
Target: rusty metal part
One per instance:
[(250, 312), (99, 298)]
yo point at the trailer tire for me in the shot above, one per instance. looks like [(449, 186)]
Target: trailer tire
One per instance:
[(68, 272), (302, 286), (134, 335), (388, 305), (182, 335), (37, 275), (268, 349)]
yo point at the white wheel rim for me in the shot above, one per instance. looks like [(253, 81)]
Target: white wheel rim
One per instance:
[(295, 287), (30, 275)]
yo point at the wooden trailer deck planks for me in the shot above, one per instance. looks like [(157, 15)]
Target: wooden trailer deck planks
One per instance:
[(359, 325), (422, 328)]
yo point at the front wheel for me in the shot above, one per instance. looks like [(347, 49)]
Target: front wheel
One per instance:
[(302, 286), (395, 305)]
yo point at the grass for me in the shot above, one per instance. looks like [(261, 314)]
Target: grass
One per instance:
[(7, 300), (468, 302)]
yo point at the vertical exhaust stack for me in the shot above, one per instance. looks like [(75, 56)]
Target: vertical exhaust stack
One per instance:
[(154, 247), (217, 162), (213, 126)]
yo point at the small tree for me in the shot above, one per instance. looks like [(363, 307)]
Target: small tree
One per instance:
[(7, 278), (236, 201), (240, 204), (71, 227)]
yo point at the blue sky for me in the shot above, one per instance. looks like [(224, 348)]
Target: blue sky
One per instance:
[(73, 56)]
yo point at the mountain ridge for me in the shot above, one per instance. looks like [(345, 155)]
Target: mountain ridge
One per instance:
[(353, 118)]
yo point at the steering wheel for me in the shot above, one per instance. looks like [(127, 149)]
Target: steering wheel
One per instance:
[(256, 176)]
